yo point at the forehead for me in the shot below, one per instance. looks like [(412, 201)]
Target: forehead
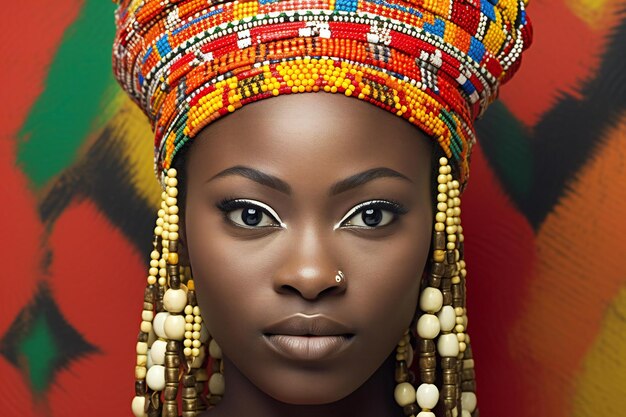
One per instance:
[(303, 136)]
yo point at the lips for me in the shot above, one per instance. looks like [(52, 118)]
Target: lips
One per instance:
[(308, 338)]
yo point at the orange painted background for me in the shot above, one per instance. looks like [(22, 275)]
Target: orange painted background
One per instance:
[(545, 217)]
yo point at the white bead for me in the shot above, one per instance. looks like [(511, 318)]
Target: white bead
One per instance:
[(216, 384), (468, 401), (465, 413), (149, 362), (147, 315), (142, 360), (425, 414), (175, 327), (447, 318), (198, 360), (146, 326), (431, 300), (157, 352), (214, 350), (139, 406), (158, 323), (156, 378), (404, 394), (428, 326), (427, 396), (448, 345), (174, 301), (142, 348)]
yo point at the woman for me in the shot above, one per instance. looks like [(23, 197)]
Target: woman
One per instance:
[(299, 231)]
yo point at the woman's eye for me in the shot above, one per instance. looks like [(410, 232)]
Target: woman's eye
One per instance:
[(250, 213), (251, 217), (372, 214)]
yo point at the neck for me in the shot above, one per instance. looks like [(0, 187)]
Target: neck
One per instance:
[(373, 399)]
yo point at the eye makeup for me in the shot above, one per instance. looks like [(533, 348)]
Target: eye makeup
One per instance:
[(394, 207), (229, 205)]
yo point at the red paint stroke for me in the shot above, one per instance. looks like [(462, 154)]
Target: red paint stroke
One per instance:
[(499, 250), (31, 32), (565, 52), (97, 278)]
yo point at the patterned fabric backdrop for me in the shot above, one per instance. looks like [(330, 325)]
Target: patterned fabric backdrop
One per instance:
[(544, 214)]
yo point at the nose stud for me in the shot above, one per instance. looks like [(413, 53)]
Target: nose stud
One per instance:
[(340, 277)]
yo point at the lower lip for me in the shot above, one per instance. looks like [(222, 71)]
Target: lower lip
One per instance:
[(308, 348)]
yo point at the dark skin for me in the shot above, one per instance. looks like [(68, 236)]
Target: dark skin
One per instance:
[(277, 250)]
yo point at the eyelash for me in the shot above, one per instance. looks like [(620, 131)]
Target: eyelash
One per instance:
[(230, 204), (394, 207)]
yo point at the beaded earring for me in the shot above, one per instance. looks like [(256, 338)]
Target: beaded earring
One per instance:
[(170, 315), (442, 323)]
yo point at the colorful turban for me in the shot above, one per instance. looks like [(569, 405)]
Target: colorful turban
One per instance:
[(437, 63)]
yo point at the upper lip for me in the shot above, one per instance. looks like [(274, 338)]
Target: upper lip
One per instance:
[(308, 325)]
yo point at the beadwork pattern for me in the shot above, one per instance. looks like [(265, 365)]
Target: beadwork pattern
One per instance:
[(438, 64)]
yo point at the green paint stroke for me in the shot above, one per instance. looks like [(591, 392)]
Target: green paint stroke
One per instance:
[(41, 351), (508, 150), (76, 91)]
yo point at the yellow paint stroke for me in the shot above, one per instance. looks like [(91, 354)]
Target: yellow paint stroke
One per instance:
[(131, 133), (601, 390), (578, 270), (596, 13)]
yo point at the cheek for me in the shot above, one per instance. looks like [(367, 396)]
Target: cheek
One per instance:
[(389, 276)]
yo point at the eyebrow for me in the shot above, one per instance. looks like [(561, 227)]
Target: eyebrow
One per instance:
[(256, 176), (364, 177), (339, 187)]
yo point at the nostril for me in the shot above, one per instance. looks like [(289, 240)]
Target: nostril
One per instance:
[(288, 289), (329, 291)]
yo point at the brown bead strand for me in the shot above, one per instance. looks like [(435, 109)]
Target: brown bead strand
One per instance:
[(202, 379), (468, 383), (404, 392), (189, 396), (143, 403), (172, 372), (194, 346), (194, 349), (174, 298), (446, 270)]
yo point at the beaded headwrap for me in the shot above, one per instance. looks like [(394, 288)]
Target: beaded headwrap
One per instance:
[(438, 64)]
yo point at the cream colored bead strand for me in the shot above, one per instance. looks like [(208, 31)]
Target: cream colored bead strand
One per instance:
[(404, 393), (468, 395), (217, 383), (140, 403), (174, 298), (447, 344)]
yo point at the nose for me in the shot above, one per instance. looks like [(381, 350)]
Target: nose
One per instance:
[(309, 270)]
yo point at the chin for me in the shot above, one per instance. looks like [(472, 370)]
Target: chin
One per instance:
[(308, 397), (304, 390)]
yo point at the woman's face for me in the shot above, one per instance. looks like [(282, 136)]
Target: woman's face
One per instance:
[(283, 194)]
